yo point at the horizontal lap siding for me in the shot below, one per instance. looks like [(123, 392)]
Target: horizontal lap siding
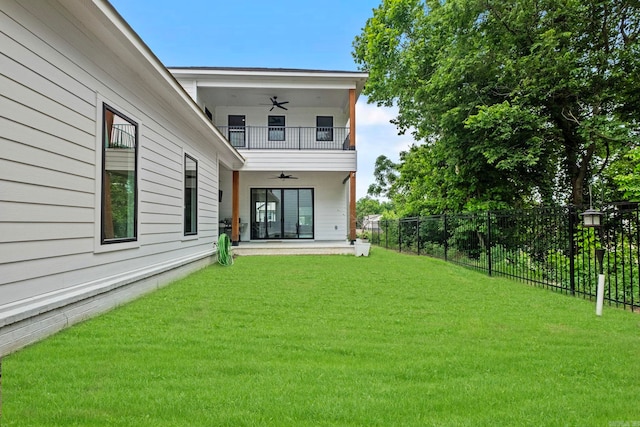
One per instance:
[(305, 160), (48, 91), (331, 210), (47, 141), (330, 203)]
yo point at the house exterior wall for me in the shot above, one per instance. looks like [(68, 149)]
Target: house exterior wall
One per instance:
[(56, 70), (330, 193), (322, 165), (295, 160), (257, 116)]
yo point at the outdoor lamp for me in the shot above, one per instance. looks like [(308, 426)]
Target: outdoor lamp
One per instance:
[(591, 218)]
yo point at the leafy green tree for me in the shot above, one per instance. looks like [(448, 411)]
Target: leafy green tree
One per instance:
[(628, 180), (515, 102), (369, 206), (385, 173)]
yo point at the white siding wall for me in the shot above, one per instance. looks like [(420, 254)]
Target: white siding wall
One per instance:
[(190, 87), (300, 160), (330, 195), (52, 78)]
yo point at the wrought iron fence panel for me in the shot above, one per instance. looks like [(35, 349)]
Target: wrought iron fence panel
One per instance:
[(546, 247)]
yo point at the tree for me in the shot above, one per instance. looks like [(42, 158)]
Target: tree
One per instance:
[(385, 173), (628, 181), (369, 206), (514, 101)]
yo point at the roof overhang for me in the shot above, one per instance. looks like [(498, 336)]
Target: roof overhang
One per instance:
[(273, 77), (251, 86), (101, 22)]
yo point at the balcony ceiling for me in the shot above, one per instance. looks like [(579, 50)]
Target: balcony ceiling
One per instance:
[(255, 97)]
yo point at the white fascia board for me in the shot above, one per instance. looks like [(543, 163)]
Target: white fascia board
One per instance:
[(266, 78), (268, 73), (277, 85)]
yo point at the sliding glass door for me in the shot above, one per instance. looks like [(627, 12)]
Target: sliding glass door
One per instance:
[(281, 213)]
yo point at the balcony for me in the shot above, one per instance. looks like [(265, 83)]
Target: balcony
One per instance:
[(286, 138)]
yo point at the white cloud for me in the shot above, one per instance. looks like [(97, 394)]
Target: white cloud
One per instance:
[(371, 115), (375, 137)]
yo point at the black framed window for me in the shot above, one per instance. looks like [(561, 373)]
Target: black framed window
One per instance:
[(119, 207), (276, 128), (237, 130), (282, 213), (324, 128), (190, 195)]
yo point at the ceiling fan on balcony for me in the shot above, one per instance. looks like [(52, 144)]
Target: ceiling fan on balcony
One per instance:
[(275, 103), (283, 176)]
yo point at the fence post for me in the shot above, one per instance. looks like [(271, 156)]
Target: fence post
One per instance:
[(489, 241), (386, 234), (399, 236), (418, 234), (572, 267), (446, 237)]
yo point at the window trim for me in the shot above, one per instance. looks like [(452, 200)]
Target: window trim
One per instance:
[(103, 240), (254, 222), (184, 195), (237, 130), (320, 129), (119, 245), (277, 128)]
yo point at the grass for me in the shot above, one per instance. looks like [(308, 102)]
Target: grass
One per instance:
[(334, 340)]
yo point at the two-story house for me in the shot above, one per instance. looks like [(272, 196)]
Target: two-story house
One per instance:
[(117, 175), (296, 130)]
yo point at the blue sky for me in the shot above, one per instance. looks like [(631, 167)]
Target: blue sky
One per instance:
[(277, 33)]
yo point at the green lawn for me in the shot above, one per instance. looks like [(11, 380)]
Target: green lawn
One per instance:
[(388, 340)]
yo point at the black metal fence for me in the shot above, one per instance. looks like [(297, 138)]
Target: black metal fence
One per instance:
[(547, 247)]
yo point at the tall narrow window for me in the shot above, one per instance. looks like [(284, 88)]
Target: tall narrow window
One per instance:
[(237, 130), (276, 128), (119, 177), (324, 128), (190, 195)]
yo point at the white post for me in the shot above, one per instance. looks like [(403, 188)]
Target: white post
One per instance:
[(600, 295)]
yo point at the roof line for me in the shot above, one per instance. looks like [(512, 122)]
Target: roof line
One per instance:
[(257, 69)]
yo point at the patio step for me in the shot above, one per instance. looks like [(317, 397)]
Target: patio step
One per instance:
[(281, 247)]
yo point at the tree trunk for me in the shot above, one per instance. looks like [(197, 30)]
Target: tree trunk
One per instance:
[(576, 157)]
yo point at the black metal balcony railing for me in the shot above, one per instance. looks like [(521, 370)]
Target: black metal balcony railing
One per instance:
[(122, 136), (287, 138)]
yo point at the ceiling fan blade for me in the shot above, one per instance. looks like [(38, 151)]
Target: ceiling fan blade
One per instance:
[(283, 176), (272, 107), (284, 108), (283, 102)]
